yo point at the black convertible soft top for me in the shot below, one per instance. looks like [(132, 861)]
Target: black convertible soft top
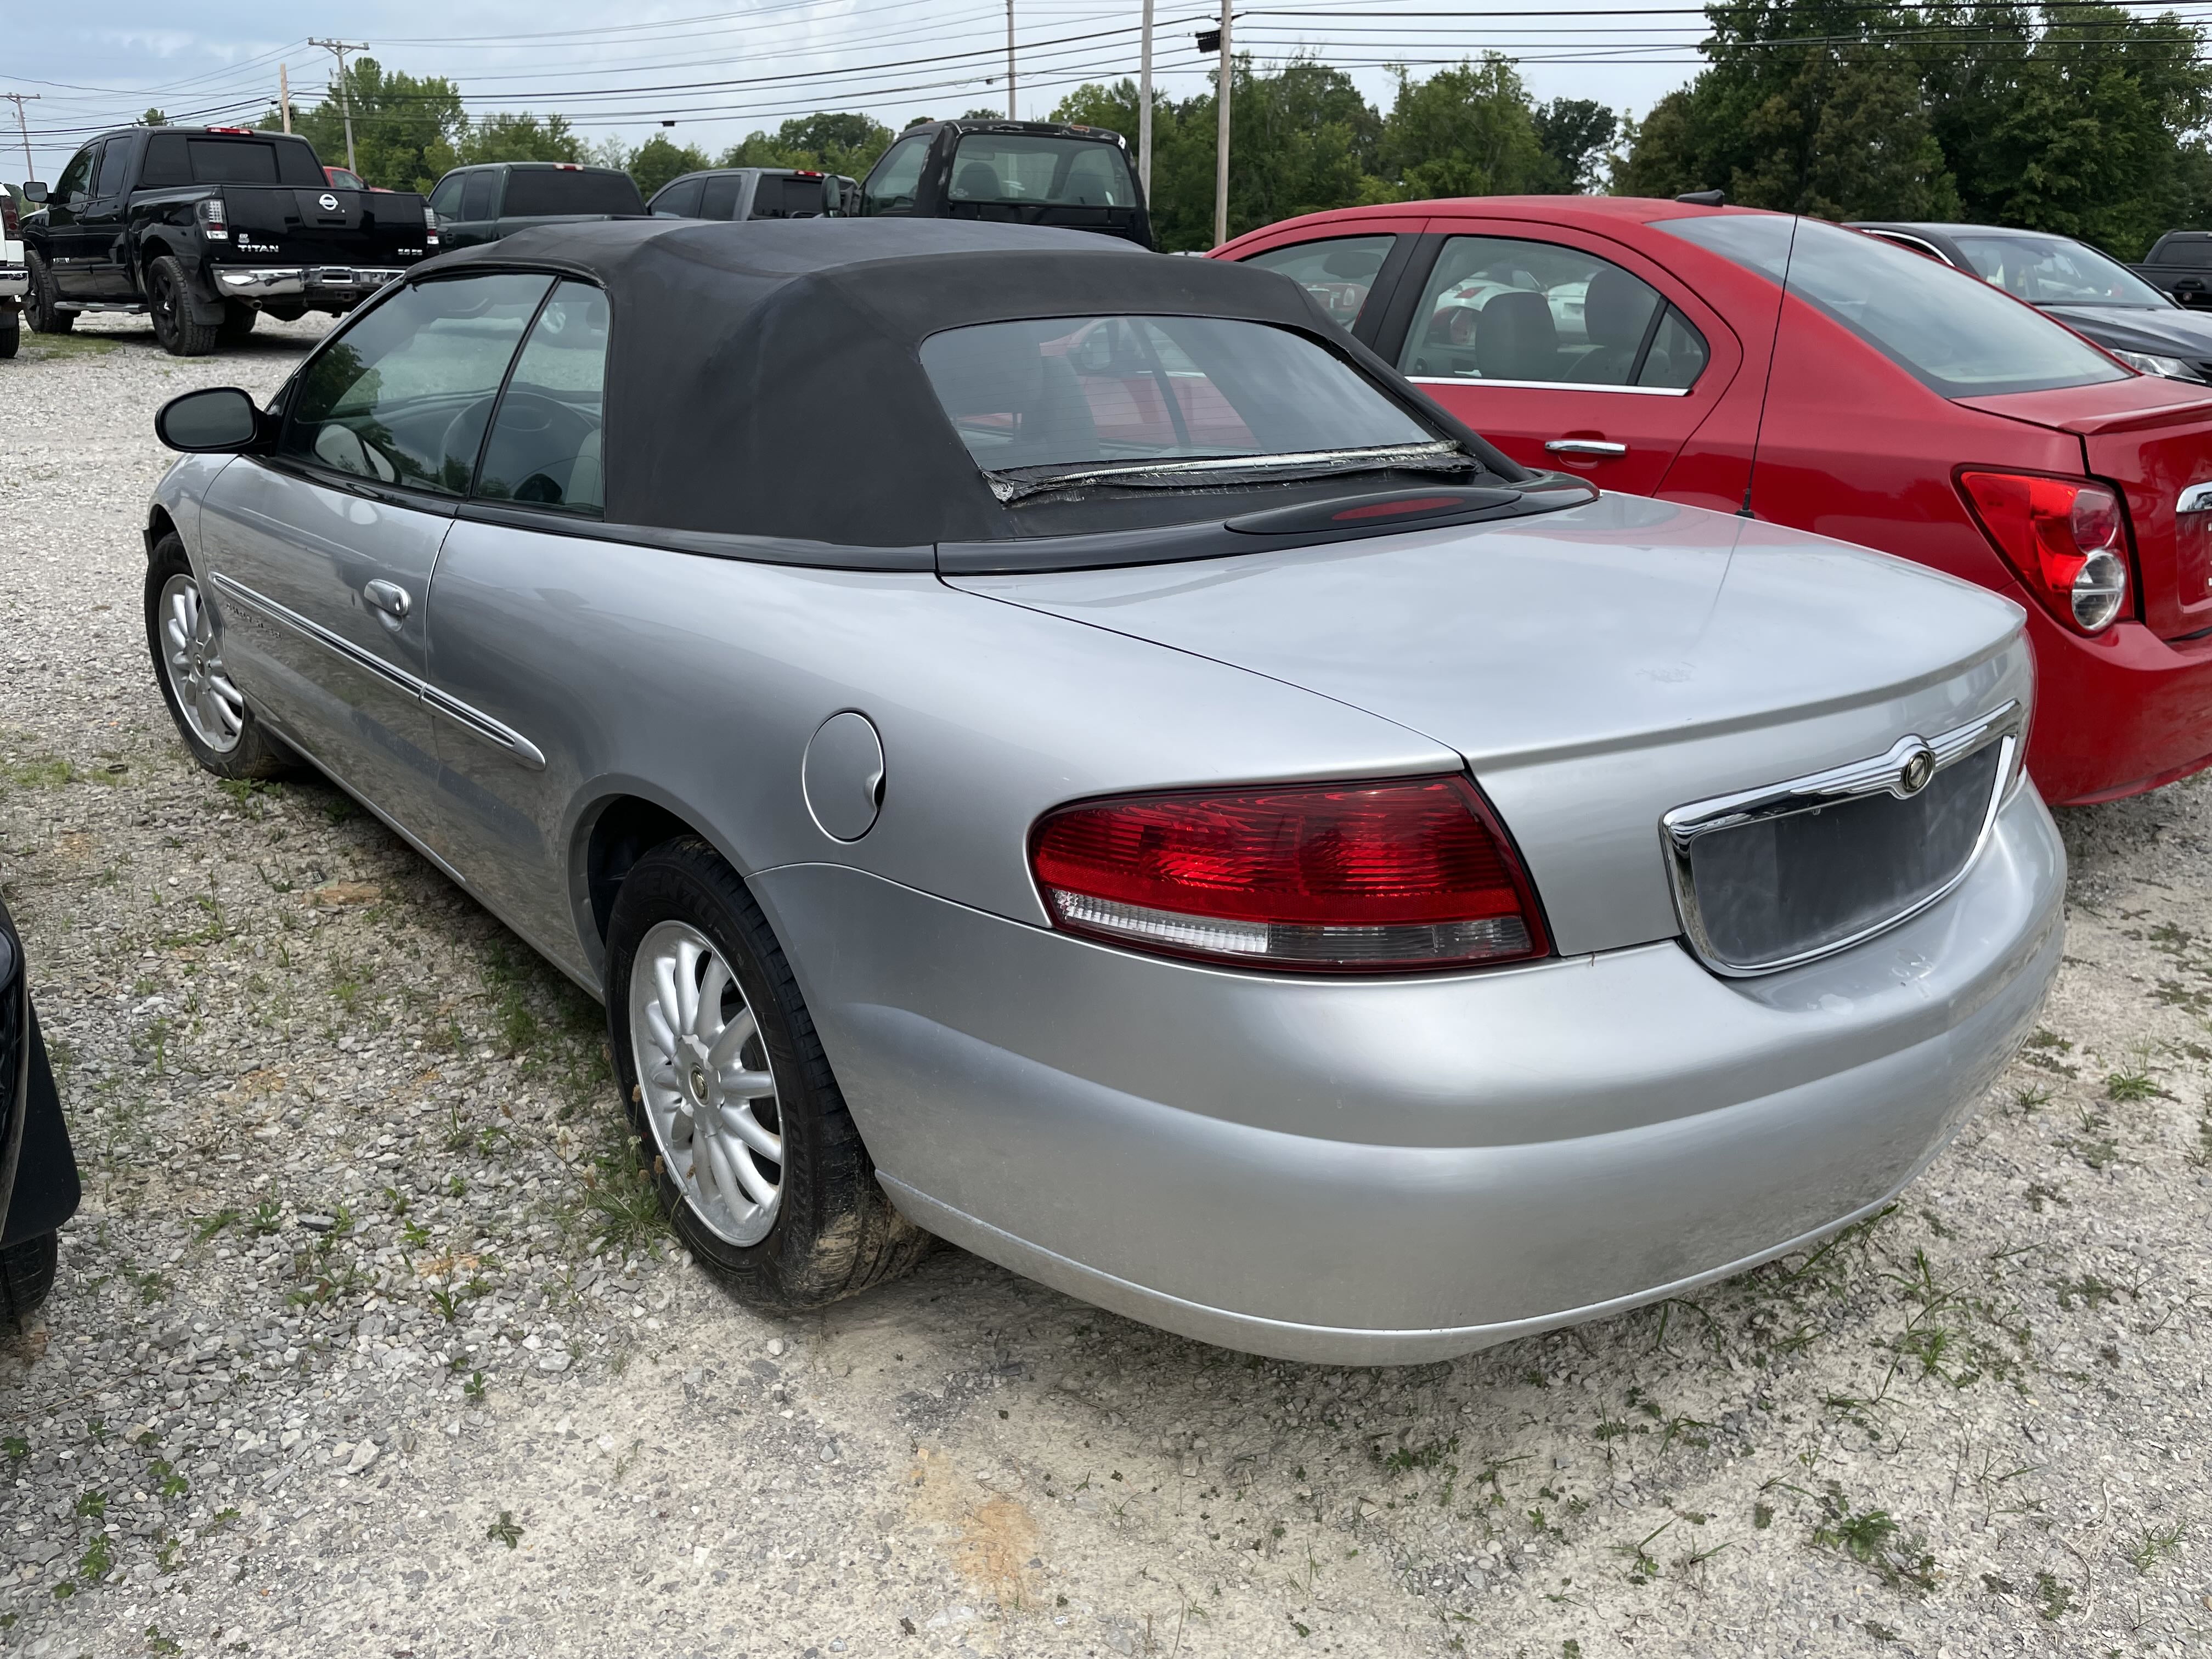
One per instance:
[(765, 378)]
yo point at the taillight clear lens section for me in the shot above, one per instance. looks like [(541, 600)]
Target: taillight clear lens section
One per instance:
[(2065, 538), (1357, 877), (215, 227)]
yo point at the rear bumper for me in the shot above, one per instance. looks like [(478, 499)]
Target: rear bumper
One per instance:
[(1382, 1173), (2117, 714), (15, 281), (300, 281)]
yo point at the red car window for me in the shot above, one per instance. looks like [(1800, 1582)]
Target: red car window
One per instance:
[(1340, 273)]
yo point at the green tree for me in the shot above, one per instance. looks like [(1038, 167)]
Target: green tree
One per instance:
[(153, 117), (822, 143), (1466, 131), (520, 137), (402, 126), (1574, 135), (657, 160)]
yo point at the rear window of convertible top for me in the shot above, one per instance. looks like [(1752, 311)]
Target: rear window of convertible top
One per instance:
[(1117, 391)]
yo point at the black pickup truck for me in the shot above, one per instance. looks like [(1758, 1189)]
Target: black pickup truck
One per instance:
[(1025, 172), (494, 199), (205, 228), (2180, 263)]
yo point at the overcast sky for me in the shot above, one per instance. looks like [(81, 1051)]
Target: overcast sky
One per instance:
[(719, 71)]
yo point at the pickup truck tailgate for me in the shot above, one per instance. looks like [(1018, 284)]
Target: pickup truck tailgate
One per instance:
[(2153, 438), (332, 227)]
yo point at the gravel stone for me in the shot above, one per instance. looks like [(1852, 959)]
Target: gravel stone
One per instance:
[(360, 1346)]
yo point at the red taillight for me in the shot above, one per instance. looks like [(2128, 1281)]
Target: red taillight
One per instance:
[(240, 130), (1355, 878), (213, 223), (8, 223), (2065, 539)]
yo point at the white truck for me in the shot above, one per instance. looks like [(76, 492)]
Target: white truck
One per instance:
[(15, 276)]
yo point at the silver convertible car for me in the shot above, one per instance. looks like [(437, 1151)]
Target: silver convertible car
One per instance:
[(1060, 749)]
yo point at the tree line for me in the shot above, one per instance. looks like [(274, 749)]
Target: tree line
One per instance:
[(2076, 117)]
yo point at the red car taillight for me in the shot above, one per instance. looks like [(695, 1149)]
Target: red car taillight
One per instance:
[(8, 223), (213, 224), (1354, 878), (2064, 538)]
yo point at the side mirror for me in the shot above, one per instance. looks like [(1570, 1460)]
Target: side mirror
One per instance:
[(34, 191), (833, 196), (216, 421)]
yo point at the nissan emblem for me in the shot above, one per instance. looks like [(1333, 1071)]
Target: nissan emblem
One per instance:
[(328, 202), (1919, 767)]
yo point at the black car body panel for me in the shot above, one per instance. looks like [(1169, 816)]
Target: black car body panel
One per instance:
[(2163, 329), (38, 1185), (938, 170), (493, 200), (249, 215), (2180, 263)]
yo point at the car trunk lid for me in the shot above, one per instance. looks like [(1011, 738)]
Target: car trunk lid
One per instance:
[(333, 226), (2151, 438), (1598, 666)]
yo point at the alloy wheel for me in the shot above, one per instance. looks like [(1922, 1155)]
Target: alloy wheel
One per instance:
[(192, 658), (705, 1083)]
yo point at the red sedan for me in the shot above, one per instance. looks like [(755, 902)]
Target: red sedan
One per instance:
[(1805, 374)]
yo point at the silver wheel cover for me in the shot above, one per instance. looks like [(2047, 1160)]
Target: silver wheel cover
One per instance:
[(705, 1082), (192, 661)]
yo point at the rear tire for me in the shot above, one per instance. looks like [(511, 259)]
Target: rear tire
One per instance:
[(11, 333), (830, 1232), (169, 300), (238, 321), (27, 1273), (203, 713), (41, 308)]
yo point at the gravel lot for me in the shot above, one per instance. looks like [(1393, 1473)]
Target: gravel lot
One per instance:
[(367, 1340)]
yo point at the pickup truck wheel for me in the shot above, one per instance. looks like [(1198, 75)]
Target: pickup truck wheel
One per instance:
[(755, 1155), (170, 302), (210, 712), (238, 321), (27, 1273), (40, 306), (11, 333)]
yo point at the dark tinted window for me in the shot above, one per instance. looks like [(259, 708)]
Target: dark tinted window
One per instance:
[(1008, 167), (890, 187), (532, 191), (1951, 330), (545, 449), (2195, 252), (679, 201), (446, 200), (782, 197), (1339, 273), (1105, 389), (114, 156), (76, 177), (403, 396), (231, 161), (719, 199), (480, 198)]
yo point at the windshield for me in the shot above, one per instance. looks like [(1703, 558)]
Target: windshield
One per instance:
[(2056, 270), (1010, 167), (1133, 394), (1954, 333)]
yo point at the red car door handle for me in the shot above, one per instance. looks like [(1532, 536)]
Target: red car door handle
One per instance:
[(1584, 446)]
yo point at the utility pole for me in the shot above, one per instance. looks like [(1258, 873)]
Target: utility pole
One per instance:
[(1144, 108), (20, 98), (1013, 114), (284, 92), (338, 49), (1221, 136)]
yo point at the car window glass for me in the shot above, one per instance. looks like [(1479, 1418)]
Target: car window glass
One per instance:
[(1110, 389), (402, 397), (446, 200), (2055, 270), (890, 187), (481, 197), (1677, 355), (787, 196), (536, 192), (1006, 167), (1951, 330), (544, 446), (679, 201), (718, 200), (1340, 273), (346, 177), (108, 176), (232, 161), (76, 177), (1499, 308), (2195, 253)]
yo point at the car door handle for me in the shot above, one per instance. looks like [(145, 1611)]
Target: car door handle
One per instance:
[(390, 598), (1584, 446)]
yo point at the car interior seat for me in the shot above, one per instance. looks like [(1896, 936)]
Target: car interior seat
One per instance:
[(1616, 310), (977, 181), (1516, 339)]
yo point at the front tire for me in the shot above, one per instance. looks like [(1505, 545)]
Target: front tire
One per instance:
[(43, 306), (169, 300), (27, 1273), (756, 1158), (11, 333), (211, 712)]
